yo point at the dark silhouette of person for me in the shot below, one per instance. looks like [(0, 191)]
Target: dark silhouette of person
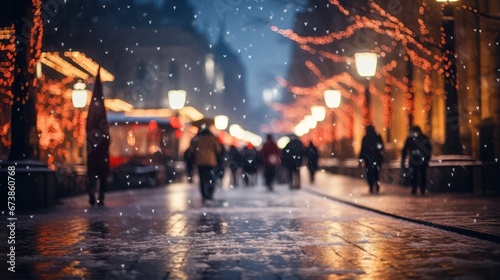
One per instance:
[(418, 148), (207, 151), (372, 155), (312, 160), (189, 160), (293, 156), (250, 162), (98, 142), (270, 156), (234, 162)]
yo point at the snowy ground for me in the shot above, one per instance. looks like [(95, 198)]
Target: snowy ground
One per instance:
[(245, 233)]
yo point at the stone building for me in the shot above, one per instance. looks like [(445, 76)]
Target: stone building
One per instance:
[(151, 47)]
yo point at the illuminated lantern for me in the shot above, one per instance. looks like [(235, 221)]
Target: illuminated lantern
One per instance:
[(176, 99), (366, 64), (79, 95), (318, 113), (221, 122), (332, 98)]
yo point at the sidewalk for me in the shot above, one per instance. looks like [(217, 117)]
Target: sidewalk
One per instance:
[(469, 214)]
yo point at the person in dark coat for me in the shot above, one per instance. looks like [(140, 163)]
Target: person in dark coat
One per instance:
[(207, 152), (189, 160), (372, 155), (270, 156), (234, 158), (418, 148), (293, 156), (98, 142), (312, 160), (250, 162)]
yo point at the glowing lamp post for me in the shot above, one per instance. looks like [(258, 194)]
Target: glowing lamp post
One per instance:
[(332, 98), (366, 65), (318, 113), (79, 95), (221, 122), (176, 99), (452, 144)]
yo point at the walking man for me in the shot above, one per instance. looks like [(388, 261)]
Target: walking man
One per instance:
[(418, 147)]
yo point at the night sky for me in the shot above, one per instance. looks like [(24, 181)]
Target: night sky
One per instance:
[(264, 53)]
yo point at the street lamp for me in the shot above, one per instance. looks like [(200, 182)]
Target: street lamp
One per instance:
[(176, 98), (221, 122), (452, 144), (318, 113), (366, 65), (332, 98), (79, 94)]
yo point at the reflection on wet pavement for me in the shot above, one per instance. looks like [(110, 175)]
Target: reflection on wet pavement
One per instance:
[(167, 233)]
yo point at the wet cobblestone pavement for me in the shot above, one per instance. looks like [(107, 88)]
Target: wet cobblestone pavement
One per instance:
[(245, 233)]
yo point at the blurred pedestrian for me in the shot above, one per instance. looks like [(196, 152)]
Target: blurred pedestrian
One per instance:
[(250, 162), (207, 151), (312, 160), (270, 156), (372, 156), (418, 147), (293, 156), (235, 160), (189, 160)]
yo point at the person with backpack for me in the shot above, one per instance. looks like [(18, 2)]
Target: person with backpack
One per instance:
[(293, 156), (372, 155), (250, 163), (418, 148)]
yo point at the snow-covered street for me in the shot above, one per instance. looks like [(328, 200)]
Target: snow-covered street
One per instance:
[(245, 233)]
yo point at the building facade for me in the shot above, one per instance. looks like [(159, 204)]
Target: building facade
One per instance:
[(409, 86)]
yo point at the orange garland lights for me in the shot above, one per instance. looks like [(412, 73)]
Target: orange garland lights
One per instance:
[(416, 45)]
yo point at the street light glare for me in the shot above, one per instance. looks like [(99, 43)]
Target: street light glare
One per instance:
[(79, 95), (176, 99), (221, 122), (318, 113), (332, 98), (366, 63)]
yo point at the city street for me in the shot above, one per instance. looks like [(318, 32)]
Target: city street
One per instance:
[(245, 233)]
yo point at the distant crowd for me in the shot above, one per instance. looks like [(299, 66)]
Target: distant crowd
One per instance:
[(211, 159)]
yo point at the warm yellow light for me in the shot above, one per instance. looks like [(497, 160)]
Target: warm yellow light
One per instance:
[(236, 131), (79, 95), (221, 122), (332, 98), (89, 65), (58, 63), (301, 128), (366, 63), (310, 122), (282, 142), (118, 105), (318, 113), (176, 99)]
